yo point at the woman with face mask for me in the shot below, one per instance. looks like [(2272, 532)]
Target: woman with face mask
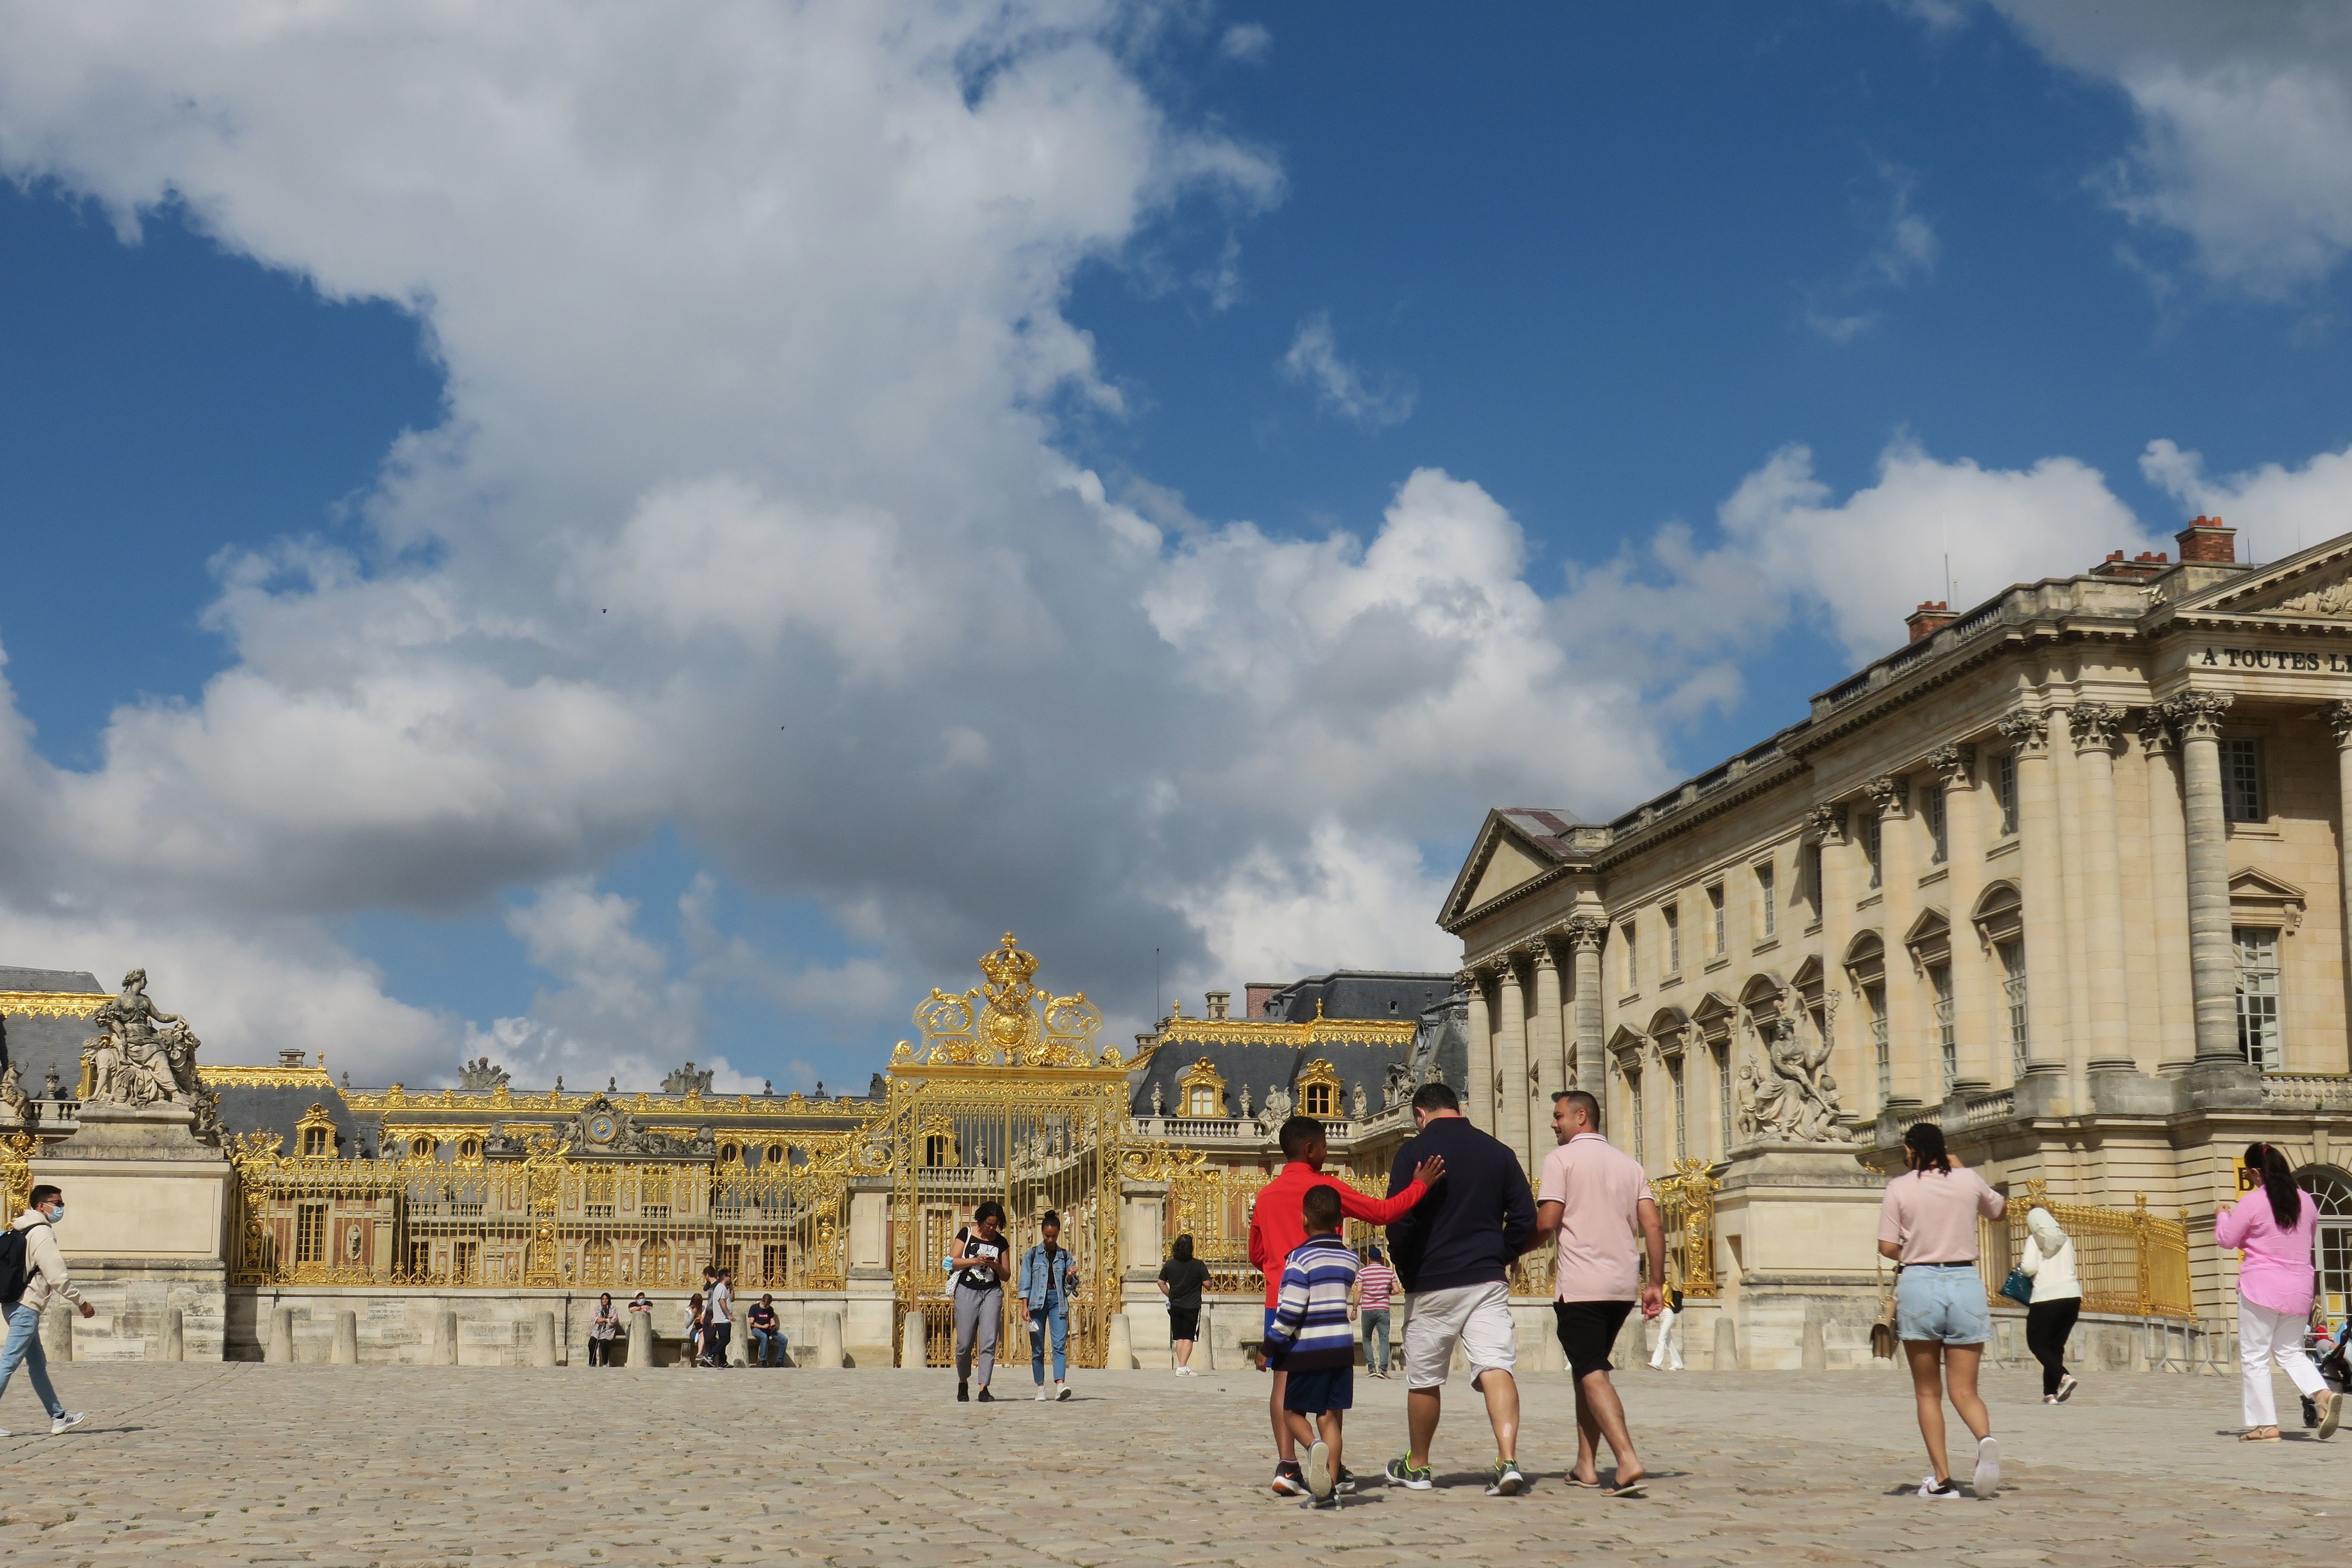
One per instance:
[(2273, 1228), (2049, 1262)]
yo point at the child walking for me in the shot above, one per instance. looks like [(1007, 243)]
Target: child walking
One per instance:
[(1311, 1339)]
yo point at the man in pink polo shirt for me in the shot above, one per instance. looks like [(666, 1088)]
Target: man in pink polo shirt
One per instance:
[(1597, 1201)]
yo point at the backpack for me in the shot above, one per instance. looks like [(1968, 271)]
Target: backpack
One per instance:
[(16, 1270)]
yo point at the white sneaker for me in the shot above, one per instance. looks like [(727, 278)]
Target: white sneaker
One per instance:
[(1949, 1492), (1042, 1394), (1988, 1476), (1061, 1391), (66, 1423)]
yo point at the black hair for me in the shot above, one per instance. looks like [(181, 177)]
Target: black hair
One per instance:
[(1435, 1096), (42, 1194), (991, 1207), (1320, 1207), (1183, 1250), (1925, 1142), (1299, 1134), (1050, 1217), (1583, 1101), (2278, 1183)]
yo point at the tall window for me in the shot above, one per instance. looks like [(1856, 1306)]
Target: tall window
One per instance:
[(1625, 942), (1931, 806), (1947, 1039), (1200, 1099), (1634, 1110), (1872, 841), (2242, 780), (1682, 1142), (1812, 880), (1674, 938), (310, 1233), (1874, 998), (1715, 913), (1768, 907), (315, 1142), (1722, 1096), (2012, 991), (2004, 790), (2258, 995)]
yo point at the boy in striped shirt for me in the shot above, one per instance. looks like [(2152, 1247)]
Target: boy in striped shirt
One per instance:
[(1312, 1340)]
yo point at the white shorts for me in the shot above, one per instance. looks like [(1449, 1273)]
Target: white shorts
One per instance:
[(1478, 1316)]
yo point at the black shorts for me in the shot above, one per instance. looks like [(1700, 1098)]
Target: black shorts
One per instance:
[(1324, 1388), (1587, 1331), (1183, 1322)]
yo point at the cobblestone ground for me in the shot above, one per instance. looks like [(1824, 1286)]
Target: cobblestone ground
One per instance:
[(244, 1464)]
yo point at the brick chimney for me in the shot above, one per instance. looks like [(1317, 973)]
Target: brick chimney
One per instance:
[(1930, 618), (1257, 994), (2138, 569), (2206, 539)]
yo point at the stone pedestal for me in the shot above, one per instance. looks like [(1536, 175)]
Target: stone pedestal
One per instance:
[(147, 1214), (1796, 1234)]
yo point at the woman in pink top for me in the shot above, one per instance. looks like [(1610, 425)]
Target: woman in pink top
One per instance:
[(2273, 1229), (1929, 1223)]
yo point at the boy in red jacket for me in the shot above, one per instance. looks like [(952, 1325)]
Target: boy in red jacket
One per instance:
[(1276, 1227)]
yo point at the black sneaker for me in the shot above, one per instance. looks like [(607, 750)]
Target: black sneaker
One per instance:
[(986, 1397), (1330, 1501), (1289, 1480), (1346, 1481), (963, 1393), (2310, 1411)]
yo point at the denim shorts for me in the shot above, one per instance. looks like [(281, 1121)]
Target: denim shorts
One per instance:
[(1944, 1302)]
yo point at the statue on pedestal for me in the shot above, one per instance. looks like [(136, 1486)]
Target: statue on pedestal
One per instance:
[(146, 1057), (482, 1074), (1789, 1098), (15, 1105)]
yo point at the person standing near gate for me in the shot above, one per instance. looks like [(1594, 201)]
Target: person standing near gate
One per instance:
[(722, 1327), (980, 1260), (1376, 1285), (33, 1269), (2271, 1229), (1047, 1287)]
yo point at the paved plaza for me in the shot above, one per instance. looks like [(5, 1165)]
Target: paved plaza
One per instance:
[(249, 1464)]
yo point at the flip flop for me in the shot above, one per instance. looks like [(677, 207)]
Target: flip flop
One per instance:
[(1589, 1486), (1634, 1488)]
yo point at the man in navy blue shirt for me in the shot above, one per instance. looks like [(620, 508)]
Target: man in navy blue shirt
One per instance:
[(1453, 1254)]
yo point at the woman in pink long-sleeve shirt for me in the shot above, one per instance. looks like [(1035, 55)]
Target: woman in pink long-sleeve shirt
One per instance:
[(2272, 1228)]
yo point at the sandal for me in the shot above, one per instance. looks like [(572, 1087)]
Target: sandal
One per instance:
[(2257, 1435), (1633, 1489)]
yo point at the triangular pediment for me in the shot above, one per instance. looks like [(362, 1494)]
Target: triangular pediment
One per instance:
[(1513, 849), (2311, 584)]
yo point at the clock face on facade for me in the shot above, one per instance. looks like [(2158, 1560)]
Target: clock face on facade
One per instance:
[(601, 1128)]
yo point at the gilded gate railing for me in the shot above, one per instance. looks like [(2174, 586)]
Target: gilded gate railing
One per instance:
[(1686, 1202), (2129, 1261), (545, 1220), (16, 1151)]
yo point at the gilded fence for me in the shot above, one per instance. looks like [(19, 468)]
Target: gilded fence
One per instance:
[(545, 1220), (1211, 1204), (16, 1151), (2130, 1262)]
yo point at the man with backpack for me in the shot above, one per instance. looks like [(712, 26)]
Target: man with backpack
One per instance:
[(32, 1269)]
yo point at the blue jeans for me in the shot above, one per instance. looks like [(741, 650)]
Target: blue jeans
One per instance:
[(1376, 1339), (25, 1345), (767, 1347), (1054, 1315)]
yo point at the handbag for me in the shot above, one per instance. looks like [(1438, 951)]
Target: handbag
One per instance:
[(1882, 1329), (2017, 1287)]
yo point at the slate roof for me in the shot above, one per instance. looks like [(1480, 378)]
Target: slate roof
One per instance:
[(35, 1043), (1391, 996), (277, 1108), (1439, 1048)]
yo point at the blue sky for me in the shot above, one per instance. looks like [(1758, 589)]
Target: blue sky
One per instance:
[(415, 535)]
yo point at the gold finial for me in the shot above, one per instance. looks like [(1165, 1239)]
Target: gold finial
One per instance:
[(1318, 1009)]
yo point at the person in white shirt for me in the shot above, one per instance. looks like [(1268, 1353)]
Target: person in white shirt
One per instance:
[(2049, 1262), (719, 1314), (42, 1267)]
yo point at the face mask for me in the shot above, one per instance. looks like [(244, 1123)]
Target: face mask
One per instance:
[(56, 1213)]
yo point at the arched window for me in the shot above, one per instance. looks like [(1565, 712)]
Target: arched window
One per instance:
[(2332, 1190), (1319, 1090)]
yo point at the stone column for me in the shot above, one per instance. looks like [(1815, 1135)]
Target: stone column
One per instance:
[(2340, 719), (2212, 966), (1975, 988), (2093, 726), (1585, 935), (1910, 1021), (1826, 823), (2038, 889), (2167, 870), (1511, 1058), (1550, 1054), (1479, 1104), (2065, 789)]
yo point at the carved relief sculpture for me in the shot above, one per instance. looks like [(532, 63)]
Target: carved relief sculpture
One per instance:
[(2334, 599), (482, 1074), (1789, 1099)]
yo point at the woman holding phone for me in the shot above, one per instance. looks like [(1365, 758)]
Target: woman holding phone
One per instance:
[(981, 1260)]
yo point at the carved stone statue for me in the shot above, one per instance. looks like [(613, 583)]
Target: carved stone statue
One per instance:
[(1355, 1102), (1279, 1104), (482, 1074), (134, 1063), (1789, 1097), (1397, 1085), (685, 1080), (1159, 1100), (14, 1104)]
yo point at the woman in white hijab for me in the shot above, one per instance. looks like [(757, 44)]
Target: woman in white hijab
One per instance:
[(2049, 1262)]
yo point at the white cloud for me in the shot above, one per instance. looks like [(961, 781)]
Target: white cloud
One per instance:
[(1313, 358), (2276, 510), (2244, 113), (1247, 41)]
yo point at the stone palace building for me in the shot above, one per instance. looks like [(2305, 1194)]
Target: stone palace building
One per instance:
[(2065, 874)]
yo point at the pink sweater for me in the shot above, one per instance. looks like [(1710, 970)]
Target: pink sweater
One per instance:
[(2276, 1272)]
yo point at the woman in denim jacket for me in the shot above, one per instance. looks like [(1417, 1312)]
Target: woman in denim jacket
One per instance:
[(1047, 1283)]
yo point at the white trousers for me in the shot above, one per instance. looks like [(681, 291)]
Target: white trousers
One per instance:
[(1668, 1356), (2265, 1336)]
